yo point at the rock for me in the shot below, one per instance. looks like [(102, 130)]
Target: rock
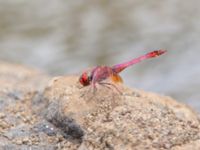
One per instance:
[(19, 85), (108, 120), (17, 82), (61, 114)]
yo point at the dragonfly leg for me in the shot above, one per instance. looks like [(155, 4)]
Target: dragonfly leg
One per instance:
[(110, 84), (94, 88), (106, 85), (87, 93)]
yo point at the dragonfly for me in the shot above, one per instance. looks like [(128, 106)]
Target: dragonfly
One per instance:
[(98, 74)]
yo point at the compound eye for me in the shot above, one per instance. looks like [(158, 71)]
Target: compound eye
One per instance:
[(84, 79)]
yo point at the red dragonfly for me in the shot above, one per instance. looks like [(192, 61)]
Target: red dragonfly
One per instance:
[(100, 73)]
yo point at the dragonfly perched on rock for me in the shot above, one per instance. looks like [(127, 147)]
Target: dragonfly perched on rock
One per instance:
[(99, 74)]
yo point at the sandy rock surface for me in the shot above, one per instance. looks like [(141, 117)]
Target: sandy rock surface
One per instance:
[(61, 114)]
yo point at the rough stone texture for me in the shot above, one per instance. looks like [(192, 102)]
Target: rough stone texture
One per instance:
[(60, 114), (136, 119), (18, 87)]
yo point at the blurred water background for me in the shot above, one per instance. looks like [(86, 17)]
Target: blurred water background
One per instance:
[(67, 36)]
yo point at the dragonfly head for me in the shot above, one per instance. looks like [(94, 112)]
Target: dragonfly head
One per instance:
[(85, 79)]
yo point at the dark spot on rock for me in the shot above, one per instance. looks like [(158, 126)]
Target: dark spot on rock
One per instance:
[(16, 95), (39, 103), (45, 127), (19, 131), (109, 146), (68, 126), (37, 98), (136, 94), (2, 103)]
